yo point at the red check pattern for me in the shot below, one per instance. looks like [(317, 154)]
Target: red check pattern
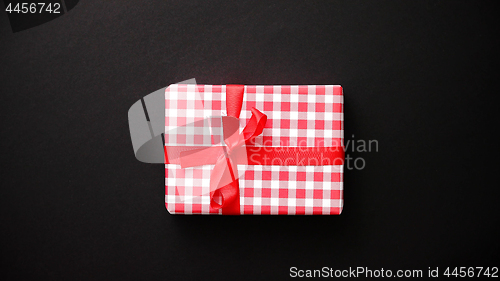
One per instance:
[(309, 116)]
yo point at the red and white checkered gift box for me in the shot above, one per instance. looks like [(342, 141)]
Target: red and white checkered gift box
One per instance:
[(299, 116)]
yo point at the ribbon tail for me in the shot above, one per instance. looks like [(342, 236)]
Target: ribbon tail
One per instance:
[(231, 198), (224, 186)]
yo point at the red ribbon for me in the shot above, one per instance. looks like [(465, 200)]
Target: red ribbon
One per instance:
[(224, 182)]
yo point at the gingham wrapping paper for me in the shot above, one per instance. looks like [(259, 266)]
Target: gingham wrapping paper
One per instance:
[(297, 116)]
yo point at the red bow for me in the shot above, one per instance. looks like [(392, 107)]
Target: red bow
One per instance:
[(224, 183)]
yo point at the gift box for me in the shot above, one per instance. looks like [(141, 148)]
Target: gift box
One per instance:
[(234, 149)]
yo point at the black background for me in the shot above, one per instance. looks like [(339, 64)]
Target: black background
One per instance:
[(418, 76)]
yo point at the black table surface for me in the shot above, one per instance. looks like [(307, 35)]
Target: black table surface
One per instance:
[(419, 77)]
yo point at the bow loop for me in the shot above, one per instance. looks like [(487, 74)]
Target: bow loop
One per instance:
[(255, 125)]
